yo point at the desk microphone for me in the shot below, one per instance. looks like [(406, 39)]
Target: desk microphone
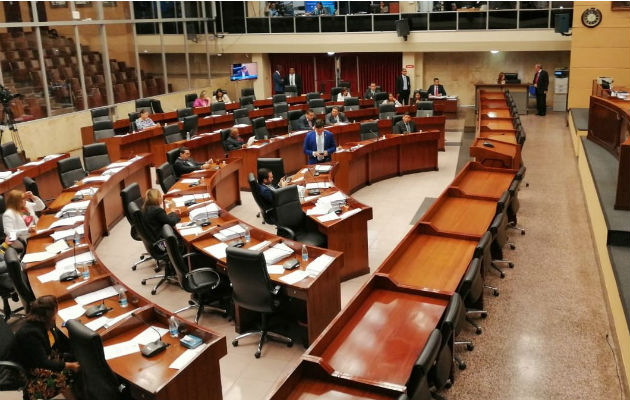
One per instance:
[(153, 348)]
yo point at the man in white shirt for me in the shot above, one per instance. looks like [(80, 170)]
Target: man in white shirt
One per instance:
[(403, 84), (294, 79)]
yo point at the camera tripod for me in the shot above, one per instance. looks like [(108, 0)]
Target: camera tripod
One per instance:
[(7, 122)]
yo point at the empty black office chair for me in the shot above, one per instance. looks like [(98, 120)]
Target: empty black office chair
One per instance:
[(483, 251), (12, 376), (201, 282), (345, 84), (280, 110), (10, 155), (424, 109), (190, 125), (334, 92), (184, 112), (293, 117), (351, 103), (312, 95), (144, 104), (95, 156), (189, 99), (452, 323), (514, 206), (70, 171), (521, 136), (247, 102), (218, 108), (241, 116), (154, 245), (424, 95), (260, 128), (498, 229), (166, 176), (418, 387), (268, 213), (131, 194), (386, 111), (317, 105), (253, 290), (20, 279), (471, 290), (368, 130), (172, 133), (248, 92), (100, 114), (103, 130), (98, 382), (291, 221), (290, 91), (275, 165), (278, 98), (133, 116), (379, 97), (7, 292)]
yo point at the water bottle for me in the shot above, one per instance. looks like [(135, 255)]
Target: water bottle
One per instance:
[(173, 327), (187, 135), (247, 235), (85, 273), (304, 253), (122, 297)]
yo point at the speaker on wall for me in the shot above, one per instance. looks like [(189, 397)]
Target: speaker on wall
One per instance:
[(402, 28), (562, 23)]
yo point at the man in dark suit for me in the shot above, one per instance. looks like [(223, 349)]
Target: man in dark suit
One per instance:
[(541, 83), (266, 186), (335, 117), (233, 141), (278, 82), (185, 164), (294, 80), (403, 85), (436, 89), (406, 125), (319, 144), (369, 94), (306, 121)]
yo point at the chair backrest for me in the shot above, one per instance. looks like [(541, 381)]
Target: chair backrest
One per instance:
[(312, 95), (224, 135), (3, 208), (144, 104), (30, 185), (103, 129), (247, 102), (275, 165), (248, 92), (293, 116), (514, 204), (471, 286), (498, 229), (379, 97), (483, 250), (521, 173), (98, 380), (454, 317), (369, 130), (175, 256), (396, 118), (218, 108), (189, 99), (10, 155), (424, 105), (147, 237), (260, 128), (351, 103), (317, 105), (172, 133), (19, 278), (130, 194), (286, 202), (100, 114), (254, 187), (290, 90), (133, 116), (241, 116), (251, 287), (190, 124), (334, 92), (417, 385), (504, 201), (184, 112), (279, 98), (166, 176), (95, 156), (424, 113), (172, 156), (280, 110), (386, 111), (70, 170)]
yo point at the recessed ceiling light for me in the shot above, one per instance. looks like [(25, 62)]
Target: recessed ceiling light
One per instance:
[(331, 53), (494, 51)]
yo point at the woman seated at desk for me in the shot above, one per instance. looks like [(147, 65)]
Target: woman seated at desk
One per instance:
[(220, 97), (343, 94), (154, 215), (417, 98), (501, 78), (43, 351), (144, 122), (20, 218), (391, 100), (203, 100)]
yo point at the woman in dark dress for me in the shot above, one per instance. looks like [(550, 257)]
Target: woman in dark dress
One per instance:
[(154, 215)]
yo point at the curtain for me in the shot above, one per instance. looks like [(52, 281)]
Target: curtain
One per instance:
[(381, 68), (349, 72), (303, 64), (325, 72)]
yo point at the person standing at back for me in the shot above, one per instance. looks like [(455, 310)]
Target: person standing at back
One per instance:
[(278, 82), (541, 83), (294, 79), (403, 84)]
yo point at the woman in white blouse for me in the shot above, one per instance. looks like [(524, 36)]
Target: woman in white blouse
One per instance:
[(19, 217), (220, 97), (343, 94)]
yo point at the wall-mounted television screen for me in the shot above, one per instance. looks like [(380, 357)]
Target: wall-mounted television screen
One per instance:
[(244, 71), (309, 6)]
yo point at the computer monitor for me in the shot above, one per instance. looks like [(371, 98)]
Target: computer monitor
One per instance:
[(510, 76)]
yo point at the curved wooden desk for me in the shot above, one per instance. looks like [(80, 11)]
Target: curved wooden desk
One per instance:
[(43, 171)]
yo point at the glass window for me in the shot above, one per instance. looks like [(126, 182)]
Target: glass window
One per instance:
[(233, 16), (177, 77), (417, 22), (561, 4), (116, 10), (502, 5), (258, 25), (92, 57), (359, 23), (304, 23), (502, 20), (385, 22), (145, 10), (283, 25), (172, 9), (472, 20), (533, 5), (443, 21), (58, 11), (333, 24), (534, 19), (122, 62), (152, 74)]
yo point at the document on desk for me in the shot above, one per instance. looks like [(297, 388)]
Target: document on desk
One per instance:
[(294, 277), (68, 233), (69, 262), (37, 256), (186, 357), (323, 168), (119, 164), (120, 349), (98, 295), (328, 217), (76, 207), (318, 185), (112, 321), (277, 253), (57, 246), (260, 245), (217, 250), (34, 163), (149, 335), (101, 178), (319, 264), (319, 209), (112, 171), (349, 213), (71, 312), (195, 230), (67, 221), (275, 269), (230, 233)]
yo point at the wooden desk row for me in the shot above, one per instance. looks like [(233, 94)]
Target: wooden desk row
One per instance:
[(43, 171)]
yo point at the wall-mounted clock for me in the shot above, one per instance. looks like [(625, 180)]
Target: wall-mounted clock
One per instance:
[(591, 17)]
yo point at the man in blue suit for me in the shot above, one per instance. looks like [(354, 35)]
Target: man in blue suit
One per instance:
[(278, 81), (319, 144)]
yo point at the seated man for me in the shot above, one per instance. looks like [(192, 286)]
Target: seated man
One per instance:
[(319, 144), (369, 94), (335, 116), (266, 186), (404, 126), (144, 122), (185, 164), (436, 89), (233, 141), (307, 120)]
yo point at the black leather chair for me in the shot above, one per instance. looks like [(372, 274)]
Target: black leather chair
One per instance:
[(172, 133), (368, 130), (31, 186), (278, 98), (312, 95), (252, 290), (190, 125), (154, 245), (144, 104), (275, 165), (133, 116), (280, 110), (379, 97), (291, 222), (351, 103), (189, 99), (498, 230), (386, 111), (260, 128), (20, 279), (100, 114), (248, 92), (424, 109), (418, 387), (247, 102), (267, 213), (483, 251), (10, 155), (334, 92), (471, 291), (293, 116), (454, 318), (224, 135), (241, 116), (201, 282), (7, 291), (184, 112), (103, 130), (218, 108), (12, 375), (514, 206), (166, 176), (98, 382), (95, 156), (70, 171), (317, 105), (521, 136), (131, 194), (396, 118), (290, 90)]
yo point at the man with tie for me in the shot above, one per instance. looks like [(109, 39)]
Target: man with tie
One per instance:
[(319, 144), (294, 79), (541, 83), (278, 82), (404, 126), (185, 164), (436, 89), (306, 121), (369, 94), (403, 84), (335, 117)]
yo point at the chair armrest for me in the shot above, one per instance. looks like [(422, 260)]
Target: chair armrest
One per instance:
[(206, 270), (16, 369), (285, 230), (188, 255)]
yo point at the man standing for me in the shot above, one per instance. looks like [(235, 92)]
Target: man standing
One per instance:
[(405, 126), (319, 144), (541, 83), (278, 82), (307, 121), (436, 89), (369, 94), (403, 83), (294, 79), (335, 116)]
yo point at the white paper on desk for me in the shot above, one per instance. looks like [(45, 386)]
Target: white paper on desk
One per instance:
[(255, 146), (319, 209), (230, 233), (309, 198), (98, 323), (70, 287), (276, 269), (294, 277), (195, 230), (186, 357), (149, 335), (323, 168), (57, 247), (319, 264), (120, 349), (112, 171), (303, 170), (49, 276), (277, 252), (68, 233), (328, 217), (73, 207), (260, 245), (240, 126), (119, 164), (318, 185), (190, 180), (98, 295), (349, 213), (101, 178), (71, 312), (5, 174), (217, 250), (111, 321), (33, 163), (181, 200), (67, 221), (37, 256), (51, 156), (69, 262)]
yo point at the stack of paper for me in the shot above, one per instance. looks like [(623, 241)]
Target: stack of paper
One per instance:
[(204, 213), (71, 312), (119, 164), (112, 171), (277, 253), (260, 245), (349, 213), (67, 221), (70, 209), (217, 250), (36, 256), (5, 175), (79, 259), (318, 185), (90, 191), (98, 295), (195, 230), (328, 217), (68, 233), (319, 264), (57, 247), (101, 178), (230, 233), (294, 277), (182, 200), (323, 168), (106, 322)]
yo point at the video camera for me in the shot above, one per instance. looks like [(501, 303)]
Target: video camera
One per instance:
[(6, 96)]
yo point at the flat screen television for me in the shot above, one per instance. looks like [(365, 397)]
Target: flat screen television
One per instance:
[(309, 6), (244, 71)]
